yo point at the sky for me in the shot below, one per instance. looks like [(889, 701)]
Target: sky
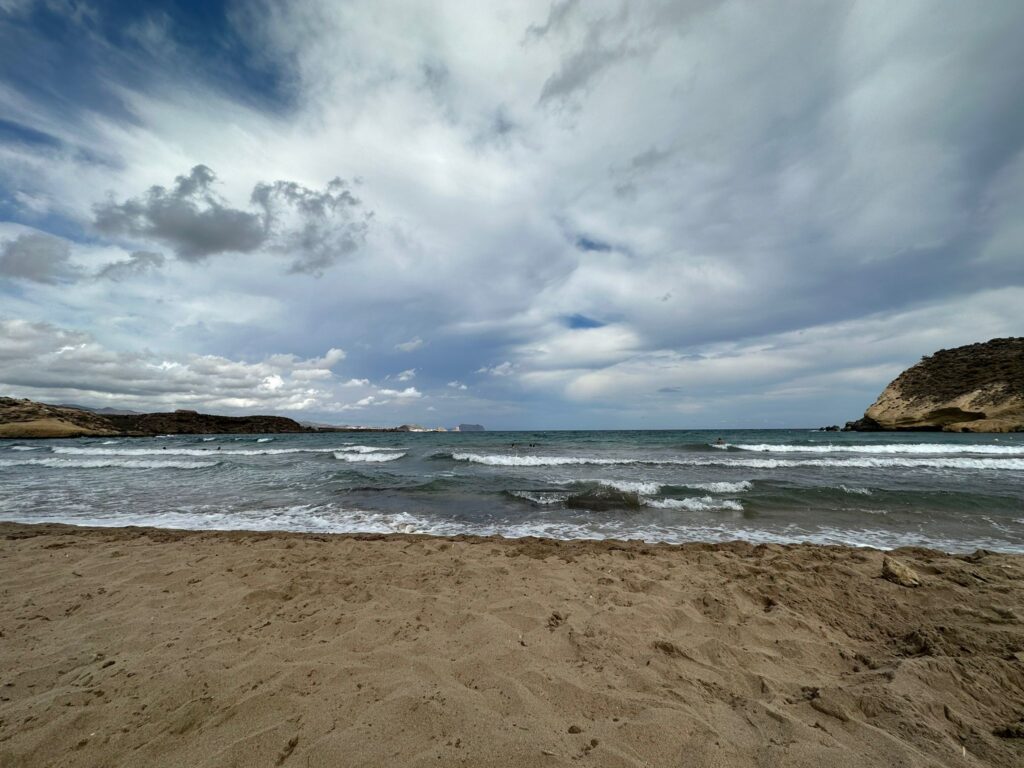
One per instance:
[(571, 215)]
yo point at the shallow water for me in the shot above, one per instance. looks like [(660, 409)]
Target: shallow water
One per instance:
[(949, 491)]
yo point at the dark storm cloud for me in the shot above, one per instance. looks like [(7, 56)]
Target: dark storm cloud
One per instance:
[(315, 228), (137, 264), (39, 258), (190, 218)]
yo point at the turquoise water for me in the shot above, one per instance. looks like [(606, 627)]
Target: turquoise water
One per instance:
[(949, 491)]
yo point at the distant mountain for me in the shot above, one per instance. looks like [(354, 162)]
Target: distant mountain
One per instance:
[(975, 388), (101, 411)]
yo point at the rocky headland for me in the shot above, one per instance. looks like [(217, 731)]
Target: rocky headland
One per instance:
[(24, 419), (975, 388)]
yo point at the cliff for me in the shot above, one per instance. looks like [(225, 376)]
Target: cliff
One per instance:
[(975, 388), (28, 419)]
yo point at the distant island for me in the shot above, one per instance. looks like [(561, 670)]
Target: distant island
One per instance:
[(974, 388), (27, 419)]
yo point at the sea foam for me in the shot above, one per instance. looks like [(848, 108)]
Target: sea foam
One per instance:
[(108, 463), (888, 448), (377, 457), (751, 463)]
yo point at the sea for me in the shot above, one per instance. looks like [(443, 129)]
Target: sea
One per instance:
[(952, 492)]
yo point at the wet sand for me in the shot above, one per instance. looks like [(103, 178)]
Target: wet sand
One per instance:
[(143, 647)]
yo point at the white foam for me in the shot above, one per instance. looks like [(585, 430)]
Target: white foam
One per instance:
[(543, 498), (264, 440), (332, 519), (627, 486), (702, 504), (738, 461), (500, 460), (24, 448), (368, 456), (211, 452), (890, 448), (855, 490), (109, 462), (880, 463), (721, 487), (366, 448)]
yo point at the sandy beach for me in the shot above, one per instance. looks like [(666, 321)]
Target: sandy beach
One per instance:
[(145, 647)]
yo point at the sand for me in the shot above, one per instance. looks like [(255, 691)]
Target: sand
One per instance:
[(140, 647)]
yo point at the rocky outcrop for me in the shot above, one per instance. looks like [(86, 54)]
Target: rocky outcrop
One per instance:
[(976, 388), (28, 419), (194, 423)]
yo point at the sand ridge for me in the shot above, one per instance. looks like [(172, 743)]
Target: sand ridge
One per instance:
[(125, 647)]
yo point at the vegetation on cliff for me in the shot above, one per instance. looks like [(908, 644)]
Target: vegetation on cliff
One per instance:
[(28, 419), (974, 388)]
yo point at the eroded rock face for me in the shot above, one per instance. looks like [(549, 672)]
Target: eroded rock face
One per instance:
[(975, 388)]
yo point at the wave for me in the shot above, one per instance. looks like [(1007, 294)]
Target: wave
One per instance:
[(366, 448), (24, 448), (888, 448), (543, 498), (702, 504), (721, 487), (368, 456), (264, 439), (856, 491), (74, 450), (110, 462), (858, 462), (629, 486)]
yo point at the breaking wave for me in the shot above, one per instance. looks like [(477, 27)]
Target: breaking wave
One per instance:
[(368, 456), (894, 448), (109, 462), (702, 504), (504, 460), (211, 452)]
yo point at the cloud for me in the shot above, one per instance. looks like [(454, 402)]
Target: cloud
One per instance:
[(38, 258), (317, 228), (356, 383), (502, 369), (456, 384), (190, 218), (409, 346), (401, 394), (614, 204), (43, 360), (406, 375), (139, 263), (314, 228)]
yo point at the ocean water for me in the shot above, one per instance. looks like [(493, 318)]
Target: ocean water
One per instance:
[(952, 492)]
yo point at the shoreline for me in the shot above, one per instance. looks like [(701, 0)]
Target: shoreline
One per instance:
[(161, 647)]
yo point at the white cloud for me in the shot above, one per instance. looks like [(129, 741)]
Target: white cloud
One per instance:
[(603, 200), (409, 346), (501, 369)]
